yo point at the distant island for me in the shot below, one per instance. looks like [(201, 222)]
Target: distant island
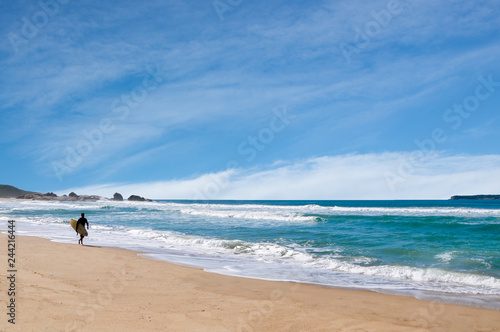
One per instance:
[(475, 197), (7, 191)]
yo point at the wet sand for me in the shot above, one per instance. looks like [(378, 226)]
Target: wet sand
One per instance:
[(67, 287)]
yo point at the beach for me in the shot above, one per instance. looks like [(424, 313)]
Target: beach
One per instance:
[(67, 287)]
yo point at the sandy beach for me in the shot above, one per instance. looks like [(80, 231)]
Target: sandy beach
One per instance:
[(67, 287)]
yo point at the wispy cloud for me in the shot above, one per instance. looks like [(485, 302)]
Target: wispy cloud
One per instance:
[(341, 177), (221, 79)]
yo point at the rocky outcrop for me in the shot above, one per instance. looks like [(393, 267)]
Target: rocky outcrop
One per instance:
[(31, 196), (138, 199), (117, 197), (53, 197), (90, 198), (35, 196), (71, 197)]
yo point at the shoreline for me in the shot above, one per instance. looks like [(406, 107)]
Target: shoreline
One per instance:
[(480, 301), (111, 289), (428, 296), (449, 298), (202, 252)]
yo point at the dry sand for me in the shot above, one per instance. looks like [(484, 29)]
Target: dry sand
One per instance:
[(66, 287)]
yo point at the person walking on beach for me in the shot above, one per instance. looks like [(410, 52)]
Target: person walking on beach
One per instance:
[(82, 221)]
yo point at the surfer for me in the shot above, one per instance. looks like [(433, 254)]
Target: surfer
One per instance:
[(82, 221)]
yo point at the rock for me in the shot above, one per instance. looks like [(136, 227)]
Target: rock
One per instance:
[(89, 198), (138, 199), (40, 197), (118, 197), (30, 196), (54, 197), (72, 194)]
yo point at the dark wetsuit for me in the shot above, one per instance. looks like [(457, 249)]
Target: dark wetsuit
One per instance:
[(82, 221)]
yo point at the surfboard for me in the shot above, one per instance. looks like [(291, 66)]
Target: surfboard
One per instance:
[(81, 230)]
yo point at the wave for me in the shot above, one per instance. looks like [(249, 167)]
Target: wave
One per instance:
[(283, 213), (308, 213), (476, 284), (254, 214), (446, 256), (273, 253), (328, 266)]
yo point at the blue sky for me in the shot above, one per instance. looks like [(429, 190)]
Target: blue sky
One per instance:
[(251, 99)]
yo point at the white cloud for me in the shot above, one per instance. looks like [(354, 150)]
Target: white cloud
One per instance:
[(343, 177), (226, 77)]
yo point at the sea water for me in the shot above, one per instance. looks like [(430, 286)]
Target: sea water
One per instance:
[(446, 251)]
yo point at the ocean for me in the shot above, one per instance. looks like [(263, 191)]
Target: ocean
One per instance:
[(447, 251)]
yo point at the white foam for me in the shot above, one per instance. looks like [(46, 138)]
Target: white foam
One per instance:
[(445, 256), (483, 262), (454, 282), (284, 213), (271, 253)]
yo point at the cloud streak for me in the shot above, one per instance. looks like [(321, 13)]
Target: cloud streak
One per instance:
[(344, 177), (221, 79)]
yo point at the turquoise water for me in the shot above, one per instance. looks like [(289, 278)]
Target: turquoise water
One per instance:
[(442, 250)]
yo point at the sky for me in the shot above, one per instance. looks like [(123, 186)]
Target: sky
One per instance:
[(235, 99)]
